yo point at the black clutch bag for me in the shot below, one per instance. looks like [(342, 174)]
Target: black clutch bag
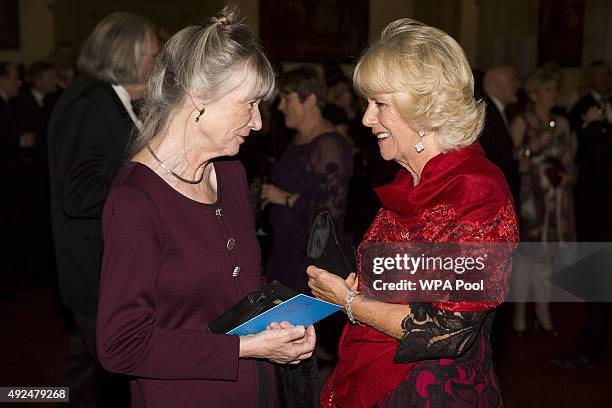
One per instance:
[(251, 305), (329, 250)]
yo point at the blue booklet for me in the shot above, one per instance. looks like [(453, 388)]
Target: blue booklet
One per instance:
[(300, 310)]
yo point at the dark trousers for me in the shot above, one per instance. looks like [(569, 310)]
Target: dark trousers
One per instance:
[(593, 343), (90, 385), (10, 217)]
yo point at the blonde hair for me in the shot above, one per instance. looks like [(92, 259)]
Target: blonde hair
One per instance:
[(114, 50), (430, 80), (540, 76), (207, 62)]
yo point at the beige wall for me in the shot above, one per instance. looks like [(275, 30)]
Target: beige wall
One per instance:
[(507, 33), (75, 19), (382, 12), (460, 18), (597, 31), (491, 31), (43, 23), (467, 35), (36, 37), (250, 11)]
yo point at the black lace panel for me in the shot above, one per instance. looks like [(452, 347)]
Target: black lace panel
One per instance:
[(433, 333)]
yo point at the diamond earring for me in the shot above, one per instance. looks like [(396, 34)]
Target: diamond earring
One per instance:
[(419, 147)]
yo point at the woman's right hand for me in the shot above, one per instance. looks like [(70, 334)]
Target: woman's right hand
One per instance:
[(287, 344), (594, 114)]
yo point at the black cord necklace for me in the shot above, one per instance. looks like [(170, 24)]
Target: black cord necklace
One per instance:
[(163, 166)]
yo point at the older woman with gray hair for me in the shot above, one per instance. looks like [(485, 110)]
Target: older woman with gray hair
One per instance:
[(398, 351), (179, 236), (89, 131)]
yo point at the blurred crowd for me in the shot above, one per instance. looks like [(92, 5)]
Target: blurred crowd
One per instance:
[(27, 97)]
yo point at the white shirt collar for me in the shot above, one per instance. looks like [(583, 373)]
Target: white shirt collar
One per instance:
[(500, 106), (598, 97), (38, 97), (124, 97)]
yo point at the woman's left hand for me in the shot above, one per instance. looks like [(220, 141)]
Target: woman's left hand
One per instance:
[(309, 338), (329, 287), (270, 194)]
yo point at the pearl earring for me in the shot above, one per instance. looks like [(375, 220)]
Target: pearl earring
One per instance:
[(419, 147)]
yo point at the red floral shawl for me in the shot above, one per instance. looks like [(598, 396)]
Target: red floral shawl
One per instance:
[(461, 197)]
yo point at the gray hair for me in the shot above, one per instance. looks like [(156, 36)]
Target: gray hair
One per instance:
[(205, 62), (114, 50)]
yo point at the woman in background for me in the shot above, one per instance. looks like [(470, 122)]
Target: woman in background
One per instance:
[(546, 148), (311, 175)]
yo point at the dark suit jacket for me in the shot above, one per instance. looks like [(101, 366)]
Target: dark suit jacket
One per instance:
[(30, 116), (9, 176), (496, 142), (593, 189), (8, 131), (579, 109), (88, 134)]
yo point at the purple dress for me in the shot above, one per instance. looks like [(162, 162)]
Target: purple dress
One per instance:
[(319, 171), (170, 266)]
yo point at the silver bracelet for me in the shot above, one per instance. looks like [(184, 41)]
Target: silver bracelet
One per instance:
[(349, 305)]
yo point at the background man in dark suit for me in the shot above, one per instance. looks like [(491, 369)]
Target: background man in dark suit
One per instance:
[(500, 85), (9, 87), (591, 118), (32, 111), (596, 105), (88, 136)]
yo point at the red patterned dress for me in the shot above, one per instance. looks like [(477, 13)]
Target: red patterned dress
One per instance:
[(444, 359)]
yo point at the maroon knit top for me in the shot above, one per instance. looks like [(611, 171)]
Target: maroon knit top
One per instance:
[(170, 266)]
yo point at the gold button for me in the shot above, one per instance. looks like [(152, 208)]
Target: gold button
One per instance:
[(231, 243), (219, 212), (236, 272)]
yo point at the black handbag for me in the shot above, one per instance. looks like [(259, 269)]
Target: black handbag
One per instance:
[(251, 305), (329, 250)]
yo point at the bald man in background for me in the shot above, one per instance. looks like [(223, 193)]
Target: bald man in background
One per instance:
[(500, 85)]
